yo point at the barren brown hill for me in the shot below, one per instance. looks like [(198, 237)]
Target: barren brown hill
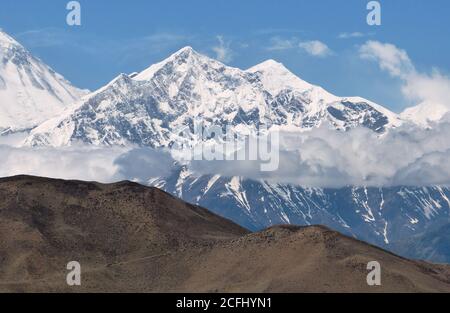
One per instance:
[(130, 238)]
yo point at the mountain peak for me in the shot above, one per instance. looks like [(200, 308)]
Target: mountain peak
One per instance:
[(276, 77), (187, 49), (184, 55), (267, 65), (425, 113)]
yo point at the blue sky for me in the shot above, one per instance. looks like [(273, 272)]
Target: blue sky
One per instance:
[(127, 36)]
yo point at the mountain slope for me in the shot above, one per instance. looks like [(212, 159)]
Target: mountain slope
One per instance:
[(148, 108), (432, 244), (386, 216), (128, 237), (30, 91)]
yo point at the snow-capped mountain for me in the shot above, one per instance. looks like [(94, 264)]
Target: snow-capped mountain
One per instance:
[(145, 108), (387, 217), (30, 91), (425, 113)]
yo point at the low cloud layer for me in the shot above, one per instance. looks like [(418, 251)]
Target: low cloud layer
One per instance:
[(322, 157), (85, 163)]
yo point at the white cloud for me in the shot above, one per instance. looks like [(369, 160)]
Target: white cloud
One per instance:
[(223, 50), (431, 91), (390, 58), (315, 48), (324, 157)]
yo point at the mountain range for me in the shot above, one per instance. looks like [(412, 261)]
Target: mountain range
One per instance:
[(131, 238), (145, 109)]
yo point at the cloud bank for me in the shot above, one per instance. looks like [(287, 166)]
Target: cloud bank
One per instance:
[(322, 157), (85, 163)]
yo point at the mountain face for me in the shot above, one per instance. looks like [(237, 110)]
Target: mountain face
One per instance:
[(30, 91), (429, 244), (131, 238), (147, 108), (386, 217)]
